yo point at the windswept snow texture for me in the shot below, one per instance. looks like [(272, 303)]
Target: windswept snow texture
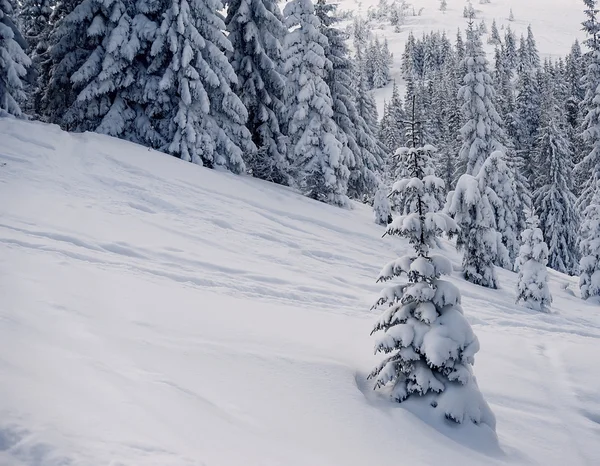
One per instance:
[(154, 312)]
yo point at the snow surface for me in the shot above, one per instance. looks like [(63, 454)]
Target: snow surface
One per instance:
[(555, 24), (154, 312)]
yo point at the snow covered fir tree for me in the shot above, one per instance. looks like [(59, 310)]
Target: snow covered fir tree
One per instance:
[(554, 201), (204, 120), (589, 200), (364, 154), (256, 32), (14, 62), (471, 206), (532, 282), (316, 144), (428, 343), (482, 132)]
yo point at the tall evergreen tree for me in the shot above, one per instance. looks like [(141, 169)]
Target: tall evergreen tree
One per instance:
[(36, 16), (502, 78), (407, 55), (510, 48), (514, 159), (92, 70), (574, 72), (447, 121), (364, 159), (460, 47), (589, 200), (13, 61), (533, 55), (526, 119), (203, 119), (590, 163), (482, 132), (554, 201), (366, 130), (366, 107), (153, 72), (379, 63), (393, 132), (497, 178), (255, 29), (314, 144)]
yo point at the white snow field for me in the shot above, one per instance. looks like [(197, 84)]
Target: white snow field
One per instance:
[(154, 312), (555, 24)]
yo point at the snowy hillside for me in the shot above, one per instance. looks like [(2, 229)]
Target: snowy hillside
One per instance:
[(555, 23), (153, 312)]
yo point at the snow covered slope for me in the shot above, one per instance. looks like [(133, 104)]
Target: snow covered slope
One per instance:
[(555, 23), (153, 312)]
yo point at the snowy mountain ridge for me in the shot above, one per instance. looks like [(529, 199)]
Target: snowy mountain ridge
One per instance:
[(157, 312)]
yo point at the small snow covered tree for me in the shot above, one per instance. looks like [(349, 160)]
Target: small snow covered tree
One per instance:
[(428, 342), (589, 265), (382, 211), (482, 132), (482, 27), (314, 145), (380, 63), (443, 6), (469, 204), (511, 16), (13, 61), (532, 282), (497, 178), (468, 10), (256, 30), (495, 34), (533, 55)]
